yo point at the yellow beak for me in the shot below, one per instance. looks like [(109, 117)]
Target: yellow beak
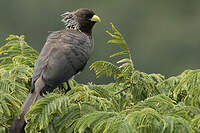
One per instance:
[(95, 18)]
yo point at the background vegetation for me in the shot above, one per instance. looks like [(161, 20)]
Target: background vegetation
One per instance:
[(136, 102), (162, 34)]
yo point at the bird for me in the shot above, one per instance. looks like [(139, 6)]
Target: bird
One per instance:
[(64, 54)]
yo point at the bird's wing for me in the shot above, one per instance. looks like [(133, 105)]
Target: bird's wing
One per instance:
[(65, 53)]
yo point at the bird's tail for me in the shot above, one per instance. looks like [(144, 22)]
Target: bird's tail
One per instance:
[(19, 123)]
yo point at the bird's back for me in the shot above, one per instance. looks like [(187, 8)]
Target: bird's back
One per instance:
[(64, 54)]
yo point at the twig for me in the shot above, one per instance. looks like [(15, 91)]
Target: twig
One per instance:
[(122, 90), (2, 125)]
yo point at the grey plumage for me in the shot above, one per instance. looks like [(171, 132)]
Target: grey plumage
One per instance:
[(64, 54)]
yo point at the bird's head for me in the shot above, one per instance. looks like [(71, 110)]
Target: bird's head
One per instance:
[(82, 19)]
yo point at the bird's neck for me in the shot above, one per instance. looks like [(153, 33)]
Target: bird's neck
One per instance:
[(86, 30), (72, 25), (77, 27)]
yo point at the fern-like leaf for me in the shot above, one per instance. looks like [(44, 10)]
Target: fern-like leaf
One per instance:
[(105, 68)]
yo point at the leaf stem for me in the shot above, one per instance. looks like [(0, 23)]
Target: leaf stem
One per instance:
[(122, 90)]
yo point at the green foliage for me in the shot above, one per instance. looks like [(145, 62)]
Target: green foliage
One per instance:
[(16, 66), (138, 84), (136, 102)]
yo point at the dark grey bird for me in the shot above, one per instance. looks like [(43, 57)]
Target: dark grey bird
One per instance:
[(64, 54)]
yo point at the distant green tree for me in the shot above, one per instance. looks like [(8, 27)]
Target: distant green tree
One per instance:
[(136, 102)]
